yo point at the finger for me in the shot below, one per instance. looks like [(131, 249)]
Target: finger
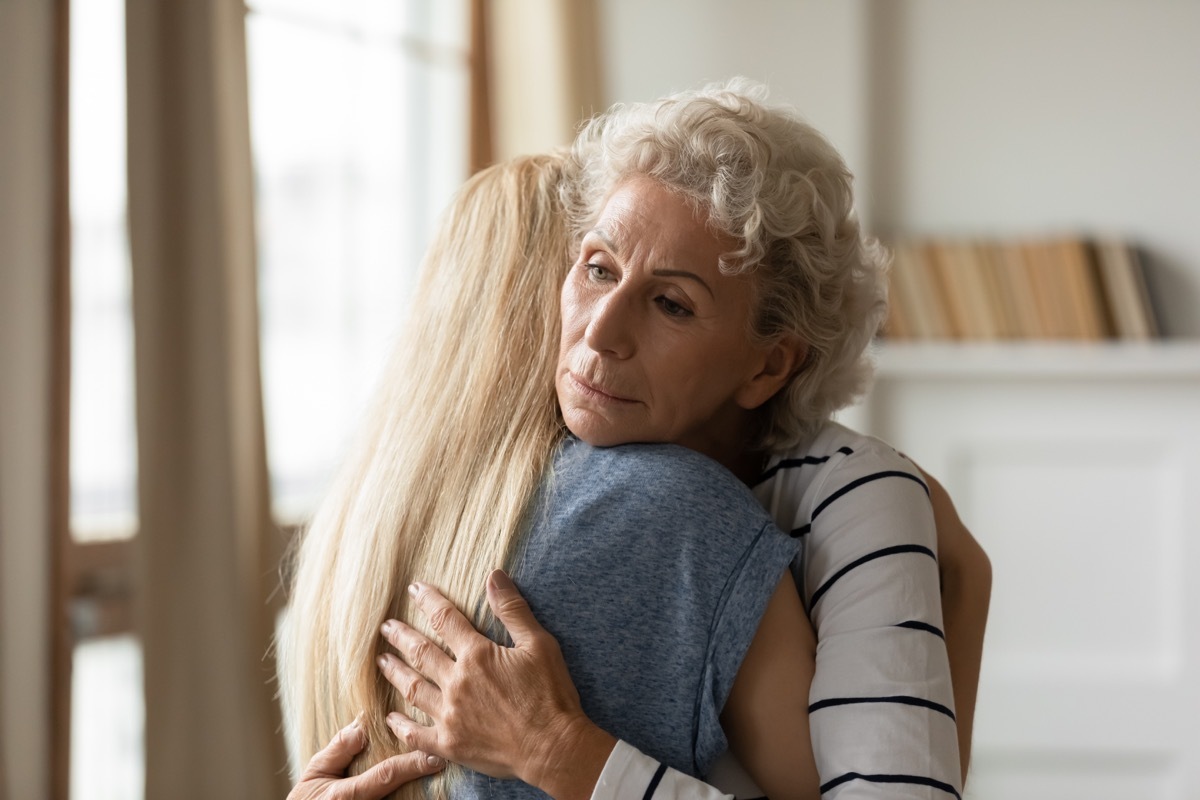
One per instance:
[(412, 685), (512, 609), (416, 736), (390, 774), (333, 758), (449, 623), (418, 651)]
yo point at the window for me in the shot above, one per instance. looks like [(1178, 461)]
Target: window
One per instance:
[(103, 441), (104, 701), (359, 127), (359, 117)]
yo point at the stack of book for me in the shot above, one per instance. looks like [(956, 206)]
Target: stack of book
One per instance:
[(1045, 289)]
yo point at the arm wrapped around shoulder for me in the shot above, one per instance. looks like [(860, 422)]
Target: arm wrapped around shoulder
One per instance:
[(882, 702)]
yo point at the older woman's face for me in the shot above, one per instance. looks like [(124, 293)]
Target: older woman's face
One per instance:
[(655, 341)]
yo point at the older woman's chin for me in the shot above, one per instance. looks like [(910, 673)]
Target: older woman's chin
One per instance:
[(598, 429)]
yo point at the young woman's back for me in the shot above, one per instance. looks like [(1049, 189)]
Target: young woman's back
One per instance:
[(447, 462), (652, 566)]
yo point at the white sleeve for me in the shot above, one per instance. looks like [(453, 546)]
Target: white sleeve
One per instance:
[(881, 705), (630, 774)]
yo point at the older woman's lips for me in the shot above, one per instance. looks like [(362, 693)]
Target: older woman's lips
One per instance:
[(591, 390)]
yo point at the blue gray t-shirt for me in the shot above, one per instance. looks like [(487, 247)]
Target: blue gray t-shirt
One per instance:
[(652, 565)]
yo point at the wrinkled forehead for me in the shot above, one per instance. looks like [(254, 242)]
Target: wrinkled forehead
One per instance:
[(642, 218)]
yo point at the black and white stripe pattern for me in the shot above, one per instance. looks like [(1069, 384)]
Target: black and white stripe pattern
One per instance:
[(882, 710), (654, 781)]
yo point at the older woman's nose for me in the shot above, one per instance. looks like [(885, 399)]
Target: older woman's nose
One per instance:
[(611, 327)]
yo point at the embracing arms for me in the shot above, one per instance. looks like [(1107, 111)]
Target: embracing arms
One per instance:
[(882, 705), (537, 666), (513, 712)]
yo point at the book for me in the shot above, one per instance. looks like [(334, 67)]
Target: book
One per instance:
[(898, 324), (925, 309), (1002, 294), (1084, 304), (1047, 288), (962, 279), (1016, 278), (1123, 283)]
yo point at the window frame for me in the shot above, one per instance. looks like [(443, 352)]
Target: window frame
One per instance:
[(90, 582)]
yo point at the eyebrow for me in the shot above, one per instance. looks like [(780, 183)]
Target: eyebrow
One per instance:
[(603, 236), (682, 273), (661, 273)]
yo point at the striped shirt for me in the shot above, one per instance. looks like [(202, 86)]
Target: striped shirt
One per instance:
[(881, 705)]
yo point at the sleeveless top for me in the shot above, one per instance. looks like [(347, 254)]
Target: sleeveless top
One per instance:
[(652, 566)]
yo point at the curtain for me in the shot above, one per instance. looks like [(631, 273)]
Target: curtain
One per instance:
[(27, 98), (205, 557), (543, 72)]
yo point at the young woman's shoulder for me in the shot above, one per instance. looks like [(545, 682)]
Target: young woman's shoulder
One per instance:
[(662, 479)]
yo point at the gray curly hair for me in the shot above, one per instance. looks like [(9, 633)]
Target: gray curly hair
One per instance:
[(773, 183)]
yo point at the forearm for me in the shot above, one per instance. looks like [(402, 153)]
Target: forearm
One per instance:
[(882, 699), (966, 594)]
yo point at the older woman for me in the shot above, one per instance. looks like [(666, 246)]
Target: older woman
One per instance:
[(723, 299)]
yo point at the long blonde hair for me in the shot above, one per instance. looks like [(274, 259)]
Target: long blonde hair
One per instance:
[(438, 483)]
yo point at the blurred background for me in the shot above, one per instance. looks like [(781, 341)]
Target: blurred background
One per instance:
[(211, 212)]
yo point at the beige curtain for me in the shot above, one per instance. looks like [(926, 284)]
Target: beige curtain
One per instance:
[(205, 563), (26, 297), (544, 75)]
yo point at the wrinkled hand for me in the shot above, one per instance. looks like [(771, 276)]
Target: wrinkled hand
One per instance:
[(504, 711), (325, 776)]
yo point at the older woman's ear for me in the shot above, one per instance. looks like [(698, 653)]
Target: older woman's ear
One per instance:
[(781, 361)]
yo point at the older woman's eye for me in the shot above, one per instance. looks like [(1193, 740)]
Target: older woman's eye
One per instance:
[(671, 308), (597, 272)]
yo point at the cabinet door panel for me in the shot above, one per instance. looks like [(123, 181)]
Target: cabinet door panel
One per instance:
[(1085, 491)]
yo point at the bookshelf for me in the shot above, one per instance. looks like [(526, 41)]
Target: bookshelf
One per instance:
[(1059, 288), (1164, 358)]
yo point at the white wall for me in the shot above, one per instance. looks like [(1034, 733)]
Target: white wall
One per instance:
[(1009, 118), (811, 54), (24, 396)]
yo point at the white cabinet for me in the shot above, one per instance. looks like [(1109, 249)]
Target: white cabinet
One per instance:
[(1078, 468)]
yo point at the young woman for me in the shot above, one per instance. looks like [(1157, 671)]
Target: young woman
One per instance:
[(464, 466)]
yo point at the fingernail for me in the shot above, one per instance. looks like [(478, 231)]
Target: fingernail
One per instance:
[(387, 627), (413, 589), (382, 661), (434, 761), (499, 582)]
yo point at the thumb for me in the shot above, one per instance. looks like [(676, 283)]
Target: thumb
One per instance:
[(512, 609), (332, 760)]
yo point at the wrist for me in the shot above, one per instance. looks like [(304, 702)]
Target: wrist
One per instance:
[(568, 758)]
